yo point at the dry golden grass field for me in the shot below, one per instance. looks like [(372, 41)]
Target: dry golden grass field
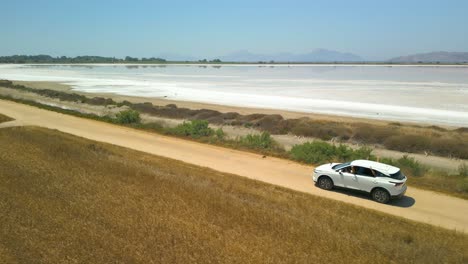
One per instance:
[(65, 199)]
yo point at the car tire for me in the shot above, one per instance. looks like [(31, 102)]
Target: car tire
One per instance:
[(380, 195), (324, 182)]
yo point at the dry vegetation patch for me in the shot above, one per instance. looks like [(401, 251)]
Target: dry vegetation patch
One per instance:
[(67, 199), (4, 118), (394, 136)]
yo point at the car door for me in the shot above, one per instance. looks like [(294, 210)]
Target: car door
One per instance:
[(365, 179), (348, 178)]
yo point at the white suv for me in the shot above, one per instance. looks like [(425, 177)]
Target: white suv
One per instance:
[(382, 181)]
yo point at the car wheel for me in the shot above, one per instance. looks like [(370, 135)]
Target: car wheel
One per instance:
[(325, 183), (380, 195)]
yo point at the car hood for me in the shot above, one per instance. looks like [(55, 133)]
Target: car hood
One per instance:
[(326, 167)]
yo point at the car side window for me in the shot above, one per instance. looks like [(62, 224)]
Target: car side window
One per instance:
[(379, 174), (346, 169), (364, 172)]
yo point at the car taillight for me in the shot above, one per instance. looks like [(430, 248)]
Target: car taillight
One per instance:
[(398, 183)]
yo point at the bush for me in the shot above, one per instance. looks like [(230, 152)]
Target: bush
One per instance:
[(153, 126), (313, 152), (319, 129), (258, 141), (408, 143), (194, 129), (408, 165), (373, 134), (220, 134), (270, 123), (463, 170), (204, 114), (453, 146), (322, 152), (363, 153), (345, 153), (128, 117), (416, 168)]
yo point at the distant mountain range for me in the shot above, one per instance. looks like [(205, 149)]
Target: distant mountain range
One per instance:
[(433, 57), (324, 55), (318, 55)]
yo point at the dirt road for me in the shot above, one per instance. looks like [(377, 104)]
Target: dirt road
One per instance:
[(418, 205)]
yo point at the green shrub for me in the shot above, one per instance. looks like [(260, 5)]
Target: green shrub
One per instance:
[(363, 153), (313, 152), (128, 117), (258, 141), (220, 134), (463, 170), (193, 129), (322, 152), (388, 161), (408, 165), (153, 126), (416, 168)]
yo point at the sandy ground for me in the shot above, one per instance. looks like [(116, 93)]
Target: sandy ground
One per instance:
[(287, 141), (419, 205)]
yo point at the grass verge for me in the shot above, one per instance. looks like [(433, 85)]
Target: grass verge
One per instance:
[(68, 199)]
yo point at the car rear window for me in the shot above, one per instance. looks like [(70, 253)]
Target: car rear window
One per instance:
[(397, 176)]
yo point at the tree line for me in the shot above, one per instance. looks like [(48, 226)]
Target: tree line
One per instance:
[(77, 59), (87, 59)]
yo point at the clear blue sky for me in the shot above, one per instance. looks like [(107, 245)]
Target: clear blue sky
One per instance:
[(374, 29)]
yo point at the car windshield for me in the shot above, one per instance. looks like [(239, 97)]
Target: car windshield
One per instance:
[(340, 166), (398, 175)]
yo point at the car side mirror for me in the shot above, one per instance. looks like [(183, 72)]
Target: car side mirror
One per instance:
[(340, 171)]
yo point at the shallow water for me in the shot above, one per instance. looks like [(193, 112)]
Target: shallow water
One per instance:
[(428, 94)]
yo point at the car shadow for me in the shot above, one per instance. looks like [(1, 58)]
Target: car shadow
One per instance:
[(404, 202)]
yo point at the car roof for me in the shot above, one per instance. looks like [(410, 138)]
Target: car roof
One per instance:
[(384, 168)]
